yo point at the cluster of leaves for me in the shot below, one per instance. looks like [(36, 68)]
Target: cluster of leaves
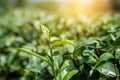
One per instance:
[(82, 47), (90, 59)]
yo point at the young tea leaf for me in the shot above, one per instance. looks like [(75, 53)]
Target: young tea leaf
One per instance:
[(45, 31), (70, 74), (35, 54), (62, 42), (65, 70)]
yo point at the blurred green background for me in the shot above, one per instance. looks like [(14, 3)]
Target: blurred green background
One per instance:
[(20, 22)]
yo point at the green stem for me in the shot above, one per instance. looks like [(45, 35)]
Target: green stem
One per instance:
[(51, 55), (94, 68), (116, 70)]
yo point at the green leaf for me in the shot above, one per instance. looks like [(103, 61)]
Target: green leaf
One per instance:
[(35, 65), (90, 60), (117, 42), (67, 64), (83, 43), (58, 61), (89, 57), (106, 56), (117, 54), (62, 42), (90, 53), (117, 73), (107, 69), (53, 39), (112, 37), (67, 67), (46, 31), (70, 74), (35, 54)]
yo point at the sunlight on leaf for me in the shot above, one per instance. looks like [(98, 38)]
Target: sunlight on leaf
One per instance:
[(62, 42), (34, 54), (46, 31), (106, 56), (70, 74), (107, 69)]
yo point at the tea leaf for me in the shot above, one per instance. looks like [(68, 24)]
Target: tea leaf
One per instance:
[(46, 31), (70, 74), (83, 43), (34, 54), (107, 69), (106, 56), (117, 42), (62, 42)]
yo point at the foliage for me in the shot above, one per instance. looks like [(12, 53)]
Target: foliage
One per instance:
[(81, 47)]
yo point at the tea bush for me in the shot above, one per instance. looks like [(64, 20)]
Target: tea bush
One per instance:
[(59, 47)]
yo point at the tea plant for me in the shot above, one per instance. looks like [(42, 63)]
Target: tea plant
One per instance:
[(91, 59), (56, 67), (81, 47)]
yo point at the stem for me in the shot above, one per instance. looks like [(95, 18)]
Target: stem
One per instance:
[(51, 55), (98, 51), (116, 70), (94, 68), (117, 74)]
